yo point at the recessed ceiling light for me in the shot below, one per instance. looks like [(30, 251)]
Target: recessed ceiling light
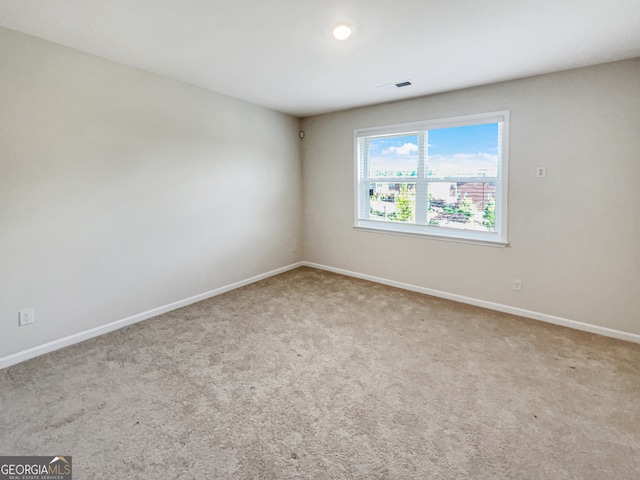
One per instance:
[(342, 31)]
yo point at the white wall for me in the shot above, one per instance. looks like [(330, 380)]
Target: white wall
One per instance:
[(122, 191), (575, 236)]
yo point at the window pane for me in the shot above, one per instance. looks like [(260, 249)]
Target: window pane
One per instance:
[(462, 205), (394, 202), (393, 156), (470, 151), (440, 178)]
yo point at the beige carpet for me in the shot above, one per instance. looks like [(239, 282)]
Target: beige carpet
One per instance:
[(315, 375)]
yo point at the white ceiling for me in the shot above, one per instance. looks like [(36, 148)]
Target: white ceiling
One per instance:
[(280, 53)]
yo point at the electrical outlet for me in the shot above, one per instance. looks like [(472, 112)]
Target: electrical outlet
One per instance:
[(26, 317), (517, 285), (541, 172)]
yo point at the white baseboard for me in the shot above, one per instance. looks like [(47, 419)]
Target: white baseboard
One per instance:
[(94, 332), (15, 358), (565, 322)]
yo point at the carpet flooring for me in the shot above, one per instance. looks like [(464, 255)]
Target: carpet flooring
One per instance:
[(314, 375)]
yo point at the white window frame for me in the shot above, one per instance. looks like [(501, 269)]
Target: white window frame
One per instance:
[(362, 181)]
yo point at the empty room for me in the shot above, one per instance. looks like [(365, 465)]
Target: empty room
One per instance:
[(326, 240)]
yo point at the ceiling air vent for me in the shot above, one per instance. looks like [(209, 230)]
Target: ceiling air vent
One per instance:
[(394, 85)]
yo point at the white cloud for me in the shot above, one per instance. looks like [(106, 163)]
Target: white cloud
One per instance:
[(464, 164), (475, 156), (400, 159), (406, 149), (396, 164)]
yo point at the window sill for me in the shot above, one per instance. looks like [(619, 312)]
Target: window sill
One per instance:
[(410, 230)]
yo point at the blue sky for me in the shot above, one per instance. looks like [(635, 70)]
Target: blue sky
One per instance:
[(459, 150)]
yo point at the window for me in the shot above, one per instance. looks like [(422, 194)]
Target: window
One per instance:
[(443, 178)]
